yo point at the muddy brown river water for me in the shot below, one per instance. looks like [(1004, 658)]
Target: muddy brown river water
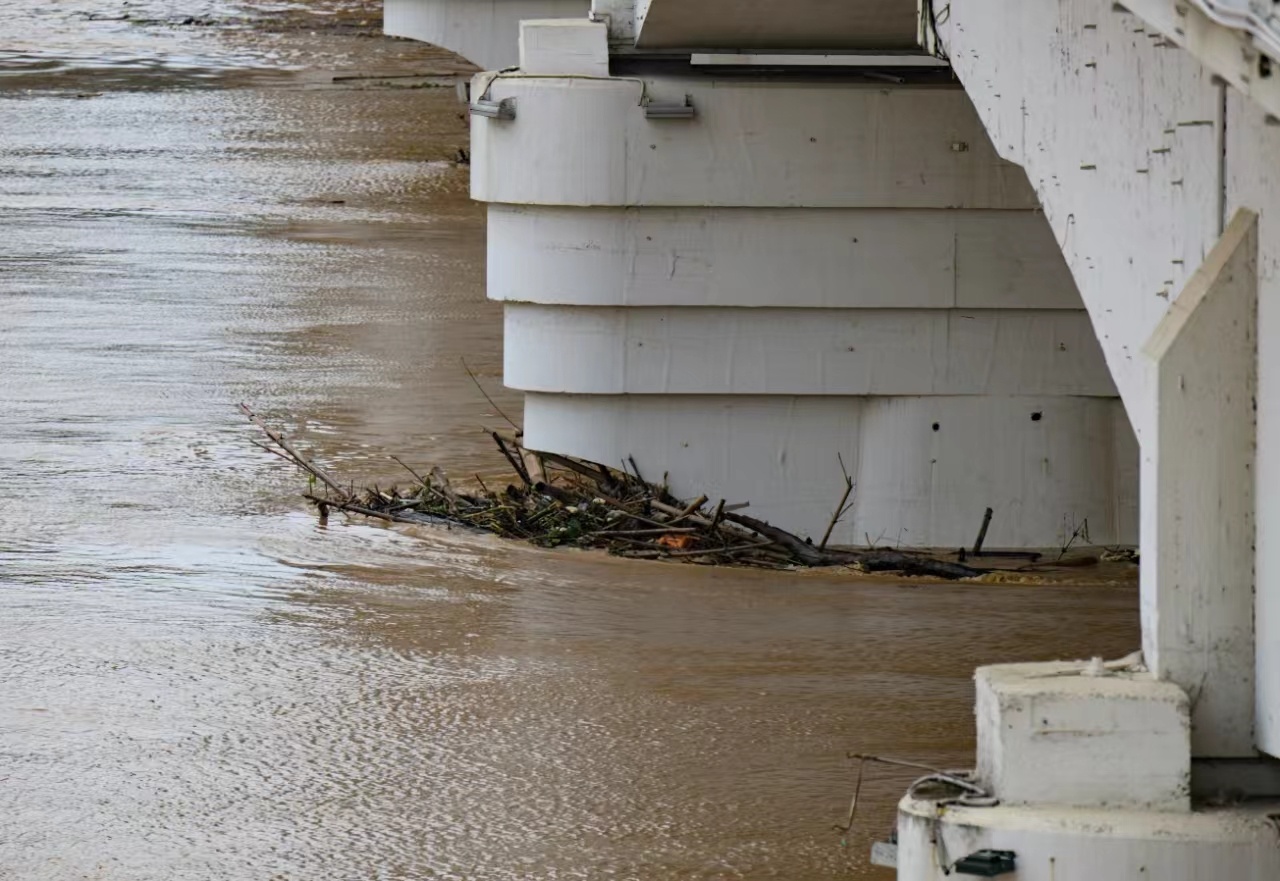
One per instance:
[(197, 681)]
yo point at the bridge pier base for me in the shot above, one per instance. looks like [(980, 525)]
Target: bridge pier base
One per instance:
[(750, 283)]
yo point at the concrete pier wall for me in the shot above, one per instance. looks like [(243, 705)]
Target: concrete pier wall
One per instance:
[(1252, 170), (802, 274), (1137, 152)]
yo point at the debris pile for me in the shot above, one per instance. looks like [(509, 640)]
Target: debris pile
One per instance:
[(563, 501)]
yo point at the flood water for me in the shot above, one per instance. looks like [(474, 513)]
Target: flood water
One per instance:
[(197, 681)]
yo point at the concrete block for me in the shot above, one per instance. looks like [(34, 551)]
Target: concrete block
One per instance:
[(1198, 475), (569, 47), (1047, 734)]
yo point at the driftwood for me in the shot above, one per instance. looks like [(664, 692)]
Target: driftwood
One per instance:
[(588, 505), (842, 507), (982, 533)]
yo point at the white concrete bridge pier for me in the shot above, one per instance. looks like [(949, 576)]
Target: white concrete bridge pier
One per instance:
[(485, 32), (1149, 142), (745, 278)]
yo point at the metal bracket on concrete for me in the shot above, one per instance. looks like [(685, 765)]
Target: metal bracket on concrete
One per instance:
[(669, 109), (504, 109)]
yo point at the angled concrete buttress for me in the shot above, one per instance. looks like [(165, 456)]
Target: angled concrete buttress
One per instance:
[(1160, 765)]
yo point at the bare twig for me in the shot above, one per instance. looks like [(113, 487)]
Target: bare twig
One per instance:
[(357, 509), (690, 508), (420, 478), (513, 459), (294, 456), (841, 509), (982, 532), (899, 763), (718, 515), (1081, 531), (853, 802), (804, 552), (496, 408)]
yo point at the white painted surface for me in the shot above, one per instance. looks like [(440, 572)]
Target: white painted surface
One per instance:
[(890, 261), (671, 350), (574, 47), (1049, 735), (1228, 52), (1082, 844), (865, 258), (1126, 166), (752, 144), (1253, 181), (485, 32), (916, 485), (1203, 356), (1042, 477), (1122, 135)]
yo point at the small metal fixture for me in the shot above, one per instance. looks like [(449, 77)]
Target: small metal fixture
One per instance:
[(504, 109), (987, 863), (669, 109)]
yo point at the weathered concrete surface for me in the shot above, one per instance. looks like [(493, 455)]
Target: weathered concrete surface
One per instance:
[(804, 273), (1089, 844), (1123, 136), (1204, 357), (753, 144), (1253, 181), (1050, 734), (778, 452), (1231, 50)]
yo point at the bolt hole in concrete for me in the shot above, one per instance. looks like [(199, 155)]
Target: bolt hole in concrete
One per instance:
[(1037, 416), (202, 684), (936, 426)]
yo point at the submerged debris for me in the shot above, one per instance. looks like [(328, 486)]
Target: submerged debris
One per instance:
[(563, 501)]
